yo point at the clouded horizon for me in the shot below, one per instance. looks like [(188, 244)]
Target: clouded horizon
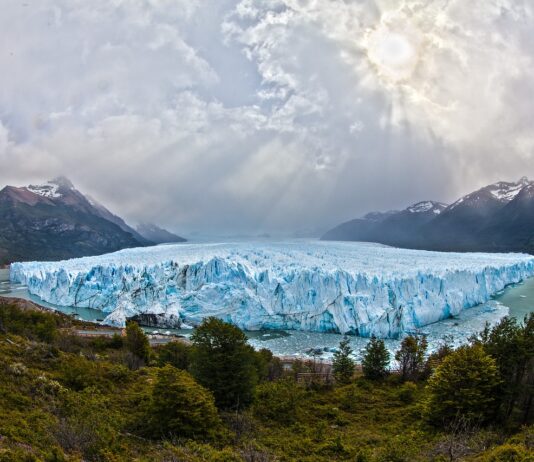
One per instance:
[(270, 115)]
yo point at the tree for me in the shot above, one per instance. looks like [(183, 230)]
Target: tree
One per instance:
[(223, 362), (411, 357), (180, 407), (512, 346), (137, 342), (343, 365), (375, 359), (174, 353), (463, 386)]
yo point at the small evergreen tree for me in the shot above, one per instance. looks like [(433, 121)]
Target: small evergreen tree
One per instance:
[(137, 342), (223, 362), (180, 407), (463, 386), (343, 365), (375, 359), (411, 357)]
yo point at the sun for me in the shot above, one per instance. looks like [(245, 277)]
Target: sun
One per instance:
[(393, 50)]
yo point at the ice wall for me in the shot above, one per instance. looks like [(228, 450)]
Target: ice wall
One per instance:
[(355, 288)]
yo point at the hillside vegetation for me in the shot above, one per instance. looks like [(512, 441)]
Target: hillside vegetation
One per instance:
[(66, 398)]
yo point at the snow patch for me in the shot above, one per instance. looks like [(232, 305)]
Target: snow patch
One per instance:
[(49, 190)]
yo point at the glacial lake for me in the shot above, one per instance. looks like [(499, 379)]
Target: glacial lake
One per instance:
[(517, 300)]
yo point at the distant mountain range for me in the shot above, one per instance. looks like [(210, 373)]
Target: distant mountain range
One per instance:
[(158, 235), (496, 218), (54, 221)]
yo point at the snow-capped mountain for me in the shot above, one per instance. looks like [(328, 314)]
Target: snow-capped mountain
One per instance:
[(497, 217), (54, 220), (395, 227), (427, 206)]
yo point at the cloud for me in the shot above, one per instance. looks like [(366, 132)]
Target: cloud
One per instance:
[(279, 115)]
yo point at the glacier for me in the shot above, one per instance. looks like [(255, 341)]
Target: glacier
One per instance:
[(344, 287)]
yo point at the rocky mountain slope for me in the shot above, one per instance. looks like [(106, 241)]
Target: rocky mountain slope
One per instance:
[(498, 217), (54, 221), (158, 235)]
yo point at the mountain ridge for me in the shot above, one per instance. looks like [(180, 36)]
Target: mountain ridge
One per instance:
[(498, 217), (54, 221)]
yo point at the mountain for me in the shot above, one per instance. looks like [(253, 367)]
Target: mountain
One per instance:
[(497, 217), (54, 221), (395, 227), (158, 235)]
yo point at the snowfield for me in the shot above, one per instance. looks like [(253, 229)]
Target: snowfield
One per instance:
[(356, 288)]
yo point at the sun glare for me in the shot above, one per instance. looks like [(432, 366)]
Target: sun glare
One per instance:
[(393, 53)]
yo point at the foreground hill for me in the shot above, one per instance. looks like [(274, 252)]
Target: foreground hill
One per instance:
[(69, 398), (55, 221), (496, 218)]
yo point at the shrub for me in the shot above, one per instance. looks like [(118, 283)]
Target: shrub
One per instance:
[(278, 401), (407, 392), (177, 354), (136, 342), (508, 453), (464, 385), (36, 325), (180, 407)]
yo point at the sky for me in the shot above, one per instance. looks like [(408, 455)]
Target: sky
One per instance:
[(255, 116)]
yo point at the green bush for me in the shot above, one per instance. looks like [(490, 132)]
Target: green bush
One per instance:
[(137, 344), (180, 407), (278, 401), (36, 325), (508, 453), (463, 386), (407, 392), (177, 354)]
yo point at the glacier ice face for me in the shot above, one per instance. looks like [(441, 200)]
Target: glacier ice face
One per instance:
[(355, 288)]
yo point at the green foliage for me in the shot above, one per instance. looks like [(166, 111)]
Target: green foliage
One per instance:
[(278, 401), (375, 359), (180, 407), (512, 346), (177, 354), (73, 400), (509, 453), (268, 366), (136, 342), (37, 325), (223, 362), (411, 357), (343, 365), (407, 392), (463, 386)]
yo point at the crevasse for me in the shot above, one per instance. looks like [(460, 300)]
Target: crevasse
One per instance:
[(354, 288)]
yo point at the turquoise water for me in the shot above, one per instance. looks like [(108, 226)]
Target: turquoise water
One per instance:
[(519, 298), (516, 300)]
